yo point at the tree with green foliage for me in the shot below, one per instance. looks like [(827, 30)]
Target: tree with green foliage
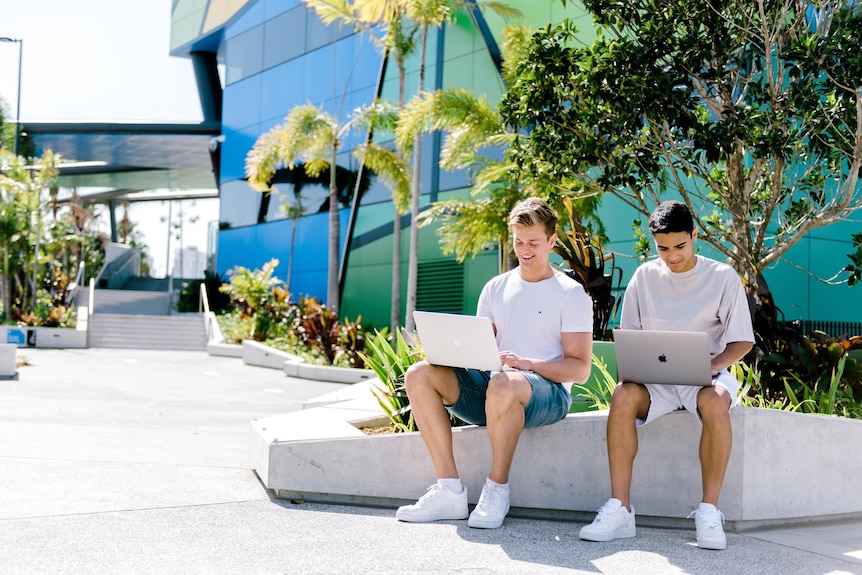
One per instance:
[(749, 110), (21, 187), (474, 132)]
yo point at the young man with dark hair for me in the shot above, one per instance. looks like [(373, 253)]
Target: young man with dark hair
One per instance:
[(543, 323), (679, 291)]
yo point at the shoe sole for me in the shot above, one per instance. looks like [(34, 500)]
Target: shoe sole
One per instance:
[(483, 524), (425, 519), (623, 533), (715, 546)]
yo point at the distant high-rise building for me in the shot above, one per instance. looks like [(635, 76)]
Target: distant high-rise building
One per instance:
[(189, 263)]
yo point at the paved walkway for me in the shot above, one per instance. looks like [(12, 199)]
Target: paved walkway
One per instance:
[(125, 461)]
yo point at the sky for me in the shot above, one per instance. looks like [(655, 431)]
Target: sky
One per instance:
[(104, 61)]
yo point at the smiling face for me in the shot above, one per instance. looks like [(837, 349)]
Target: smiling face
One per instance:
[(533, 248), (676, 249)]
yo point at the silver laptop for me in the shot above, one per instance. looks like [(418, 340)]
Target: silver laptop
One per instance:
[(458, 340), (663, 357)]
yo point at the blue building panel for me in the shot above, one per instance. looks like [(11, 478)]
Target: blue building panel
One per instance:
[(235, 148), (242, 103), (282, 88), (254, 16)]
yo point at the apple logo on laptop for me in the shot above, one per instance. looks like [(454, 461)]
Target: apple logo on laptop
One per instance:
[(456, 341), (662, 358)]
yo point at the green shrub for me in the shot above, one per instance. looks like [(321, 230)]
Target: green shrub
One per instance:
[(390, 363)]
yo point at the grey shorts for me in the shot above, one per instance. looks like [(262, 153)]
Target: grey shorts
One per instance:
[(667, 398), (549, 402)]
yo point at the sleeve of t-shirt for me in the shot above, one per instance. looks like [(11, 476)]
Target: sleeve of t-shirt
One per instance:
[(630, 318), (484, 308), (577, 311), (734, 312)]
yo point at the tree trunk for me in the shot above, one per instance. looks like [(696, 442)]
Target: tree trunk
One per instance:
[(413, 264), (334, 233), (395, 303)]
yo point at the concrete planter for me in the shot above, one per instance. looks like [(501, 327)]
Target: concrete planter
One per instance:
[(45, 337), (561, 470), (256, 353)]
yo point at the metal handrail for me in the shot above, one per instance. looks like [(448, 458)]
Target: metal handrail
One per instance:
[(92, 296), (204, 302)]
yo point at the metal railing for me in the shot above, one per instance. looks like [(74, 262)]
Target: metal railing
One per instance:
[(116, 272)]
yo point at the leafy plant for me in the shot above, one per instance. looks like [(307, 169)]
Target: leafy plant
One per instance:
[(855, 267), (811, 361), (751, 393), (318, 328), (390, 365), (758, 131), (258, 295), (834, 399), (598, 390), (587, 263)]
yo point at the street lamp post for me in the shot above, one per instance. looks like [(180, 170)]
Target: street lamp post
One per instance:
[(18, 101)]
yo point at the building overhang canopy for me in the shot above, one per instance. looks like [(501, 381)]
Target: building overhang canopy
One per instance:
[(129, 161)]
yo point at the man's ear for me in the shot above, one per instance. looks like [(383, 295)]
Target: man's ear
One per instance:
[(694, 235)]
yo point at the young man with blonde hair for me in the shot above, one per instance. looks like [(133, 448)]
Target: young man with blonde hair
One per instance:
[(543, 324)]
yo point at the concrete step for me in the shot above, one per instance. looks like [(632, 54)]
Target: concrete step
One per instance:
[(137, 302), (142, 331)]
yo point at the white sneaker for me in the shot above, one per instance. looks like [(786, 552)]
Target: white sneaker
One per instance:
[(707, 521), (437, 503), (491, 509), (613, 522)]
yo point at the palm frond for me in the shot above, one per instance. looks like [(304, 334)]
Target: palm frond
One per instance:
[(457, 110), (306, 136), (501, 9), (429, 12), (467, 227), (330, 11), (380, 116), (380, 11), (391, 168), (514, 48)]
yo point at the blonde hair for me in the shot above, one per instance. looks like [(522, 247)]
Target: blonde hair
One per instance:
[(534, 212)]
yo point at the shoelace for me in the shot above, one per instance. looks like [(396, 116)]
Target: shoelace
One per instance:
[(709, 519), (607, 511), (490, 498), (430, 493)]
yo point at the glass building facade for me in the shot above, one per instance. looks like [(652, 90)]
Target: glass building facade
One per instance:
[(276, 54)]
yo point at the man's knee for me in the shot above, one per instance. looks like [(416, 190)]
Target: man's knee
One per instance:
[(629, 399), (423, 377), (504, 390), (713, 403)]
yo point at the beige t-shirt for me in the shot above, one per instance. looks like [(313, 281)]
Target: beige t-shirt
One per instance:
[(708, 298)]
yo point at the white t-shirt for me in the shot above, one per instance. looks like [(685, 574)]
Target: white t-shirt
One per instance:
[(709, 298), (531, 316)]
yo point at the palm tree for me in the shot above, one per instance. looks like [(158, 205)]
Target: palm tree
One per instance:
[(311, 137), (398, 40), (428, 14), (293, 212)]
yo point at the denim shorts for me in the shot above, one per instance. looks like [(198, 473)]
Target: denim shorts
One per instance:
[(549, 402)]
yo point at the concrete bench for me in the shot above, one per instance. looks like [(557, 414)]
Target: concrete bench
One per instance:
[(785, 467)]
